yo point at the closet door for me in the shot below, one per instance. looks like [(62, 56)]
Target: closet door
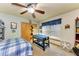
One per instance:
[(26, 31)]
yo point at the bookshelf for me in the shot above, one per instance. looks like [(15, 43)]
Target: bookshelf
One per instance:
[(1, 30), (77, 31)]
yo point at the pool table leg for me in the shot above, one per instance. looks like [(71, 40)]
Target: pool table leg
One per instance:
[(43, 45), (48, 43)]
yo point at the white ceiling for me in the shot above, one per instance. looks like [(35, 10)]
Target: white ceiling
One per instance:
[(51, 10)]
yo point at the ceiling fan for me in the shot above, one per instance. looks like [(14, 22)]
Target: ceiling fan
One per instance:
[(30, 8)]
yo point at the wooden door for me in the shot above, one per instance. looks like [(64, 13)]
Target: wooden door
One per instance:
[(26, 31), (34, 26)]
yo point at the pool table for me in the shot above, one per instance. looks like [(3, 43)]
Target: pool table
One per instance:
[(41, 40)]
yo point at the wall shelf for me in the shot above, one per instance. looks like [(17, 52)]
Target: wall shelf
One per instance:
[(77, 30), (77, 40), (1, 30)]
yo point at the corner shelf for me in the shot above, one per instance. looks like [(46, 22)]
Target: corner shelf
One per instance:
[(1, 30), (77, 30)]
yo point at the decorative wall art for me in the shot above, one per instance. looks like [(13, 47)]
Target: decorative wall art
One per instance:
[(13, 25), (67, 26)]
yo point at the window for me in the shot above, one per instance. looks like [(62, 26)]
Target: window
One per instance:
[(52, 28)]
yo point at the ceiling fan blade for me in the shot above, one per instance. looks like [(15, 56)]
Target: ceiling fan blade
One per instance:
[(29, 4), (23, 12), (36, 4), (40, 11), (17, 4), (33, 15)]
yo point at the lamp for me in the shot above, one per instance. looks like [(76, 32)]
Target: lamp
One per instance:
[(31, 10)]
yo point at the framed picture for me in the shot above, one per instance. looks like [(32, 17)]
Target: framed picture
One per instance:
[(67, 26), (13, 25)]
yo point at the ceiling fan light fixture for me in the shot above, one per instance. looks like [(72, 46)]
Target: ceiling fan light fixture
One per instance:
[(31, 10)]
